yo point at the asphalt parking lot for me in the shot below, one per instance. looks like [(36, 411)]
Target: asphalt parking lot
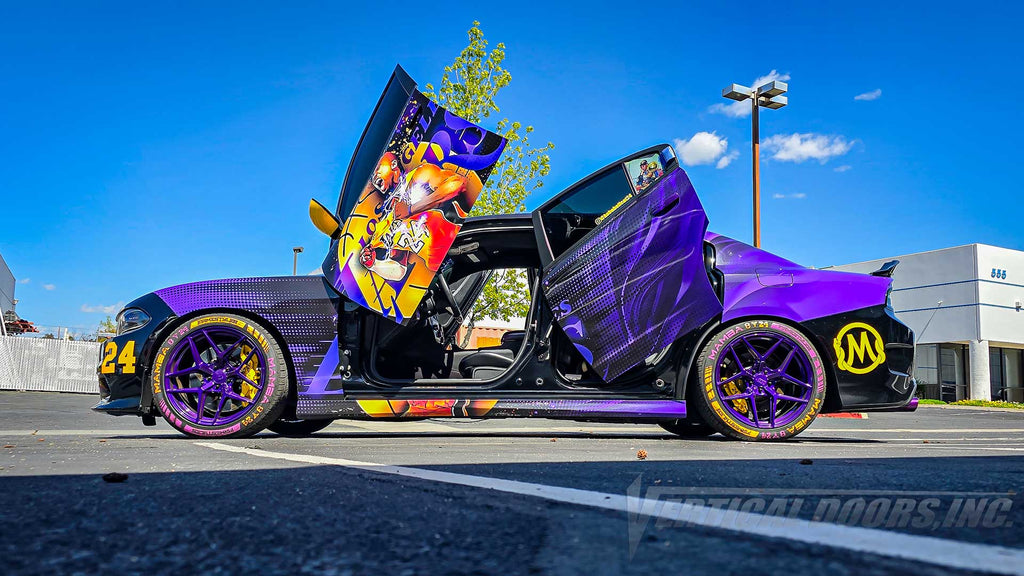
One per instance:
[(932, 492)]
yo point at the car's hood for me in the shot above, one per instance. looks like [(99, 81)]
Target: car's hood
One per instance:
[(255, 293)]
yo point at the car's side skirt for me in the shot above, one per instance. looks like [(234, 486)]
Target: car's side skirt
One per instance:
[(660, 409)]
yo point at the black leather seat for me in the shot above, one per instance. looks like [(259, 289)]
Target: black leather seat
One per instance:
[(487, 363), (513, 339)]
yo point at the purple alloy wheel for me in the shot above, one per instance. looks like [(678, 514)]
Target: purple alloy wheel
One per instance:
[(214, 375), (764, 379)]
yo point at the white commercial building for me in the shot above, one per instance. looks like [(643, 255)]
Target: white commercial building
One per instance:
[(6, 288), (965, 307)]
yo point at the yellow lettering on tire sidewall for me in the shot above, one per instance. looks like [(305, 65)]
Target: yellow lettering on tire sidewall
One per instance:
[(716, 403)]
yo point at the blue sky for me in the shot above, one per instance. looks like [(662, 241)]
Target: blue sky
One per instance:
[(150, 144)]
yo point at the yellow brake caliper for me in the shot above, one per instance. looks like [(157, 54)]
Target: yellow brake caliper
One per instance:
[(732, 389), (251, 371)]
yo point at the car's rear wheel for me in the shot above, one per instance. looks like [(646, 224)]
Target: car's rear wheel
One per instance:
[(688, 428), (220, 375), (760, 379), (298, 428)]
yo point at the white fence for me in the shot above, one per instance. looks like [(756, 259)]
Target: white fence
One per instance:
[(48, 365)]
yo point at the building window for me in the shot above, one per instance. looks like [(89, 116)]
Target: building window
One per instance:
[(952, 373), (926, 371), (1005, 374)]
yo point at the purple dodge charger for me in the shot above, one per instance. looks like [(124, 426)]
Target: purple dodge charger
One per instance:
[(635, 312)]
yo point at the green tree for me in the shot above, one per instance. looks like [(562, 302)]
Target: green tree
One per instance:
[(468, 88), (106, 326)]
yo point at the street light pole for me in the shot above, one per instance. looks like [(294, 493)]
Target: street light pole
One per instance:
[(769, 96), (295, 260), (755, 148)]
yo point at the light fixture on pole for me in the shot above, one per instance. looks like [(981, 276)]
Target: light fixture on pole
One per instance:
[(295, 259), (768, 96)]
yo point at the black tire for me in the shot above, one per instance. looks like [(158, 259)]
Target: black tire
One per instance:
[(760, 394), (688, 428), (217, 361), (298, 428)]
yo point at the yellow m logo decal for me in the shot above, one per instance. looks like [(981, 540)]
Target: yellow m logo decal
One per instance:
[(859, 348)]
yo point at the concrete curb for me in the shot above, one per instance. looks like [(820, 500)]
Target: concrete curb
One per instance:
[(952, 407)]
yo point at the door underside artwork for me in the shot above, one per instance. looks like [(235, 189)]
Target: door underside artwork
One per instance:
[(411, 206)]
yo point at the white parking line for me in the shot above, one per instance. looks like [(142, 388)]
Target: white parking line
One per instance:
[(865, 429), (44, 433), (926, 549), (974, 447), (372, 426), (343, 427)]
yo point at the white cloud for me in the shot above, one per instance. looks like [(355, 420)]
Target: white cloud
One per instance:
[(795, 195), (843, 168), (742, 109), (727, 159), (49, 287), (24, 281), (873, 95), (112, 309), (801, 147), (705, 148)]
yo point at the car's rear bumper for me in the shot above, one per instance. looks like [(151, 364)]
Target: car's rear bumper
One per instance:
[(910, 406), (888, 384)]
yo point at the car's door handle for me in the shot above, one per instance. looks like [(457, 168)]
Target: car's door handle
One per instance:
[(666, 204)]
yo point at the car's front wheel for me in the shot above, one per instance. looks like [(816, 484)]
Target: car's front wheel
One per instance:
[(220, 375), (759, 379)]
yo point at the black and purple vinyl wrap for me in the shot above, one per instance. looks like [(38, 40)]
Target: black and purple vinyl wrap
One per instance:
[(638, 282), (302, 309), (759, 284)]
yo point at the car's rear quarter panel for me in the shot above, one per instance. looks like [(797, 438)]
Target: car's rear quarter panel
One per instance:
[(759, 284)]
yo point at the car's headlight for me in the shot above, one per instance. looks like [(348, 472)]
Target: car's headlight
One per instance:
[(131, 319)]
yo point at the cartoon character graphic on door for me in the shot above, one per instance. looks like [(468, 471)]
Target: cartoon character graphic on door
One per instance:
[(413, 205)]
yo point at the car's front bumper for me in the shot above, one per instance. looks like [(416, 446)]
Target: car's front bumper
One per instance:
[(128, 406), (121, 378)]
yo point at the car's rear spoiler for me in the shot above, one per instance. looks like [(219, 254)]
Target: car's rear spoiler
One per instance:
[(887, 269)]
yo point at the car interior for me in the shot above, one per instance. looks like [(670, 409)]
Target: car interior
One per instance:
[(432, 347), (431, 350)]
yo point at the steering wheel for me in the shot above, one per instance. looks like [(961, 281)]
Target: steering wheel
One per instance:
[(451, 304)]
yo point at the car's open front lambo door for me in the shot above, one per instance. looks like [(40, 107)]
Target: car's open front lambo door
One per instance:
[(413, 179), (625, 274)]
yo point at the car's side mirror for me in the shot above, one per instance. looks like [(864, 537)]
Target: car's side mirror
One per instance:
[(324, 220)]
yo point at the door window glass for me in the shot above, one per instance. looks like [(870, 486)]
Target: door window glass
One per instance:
[(644, 171), (582, 208), (576, 214)]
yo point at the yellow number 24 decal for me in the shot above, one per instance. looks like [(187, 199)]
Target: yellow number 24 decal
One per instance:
[(126, 359)]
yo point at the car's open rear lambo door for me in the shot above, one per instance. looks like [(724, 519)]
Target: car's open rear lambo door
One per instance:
[(625, 275)]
